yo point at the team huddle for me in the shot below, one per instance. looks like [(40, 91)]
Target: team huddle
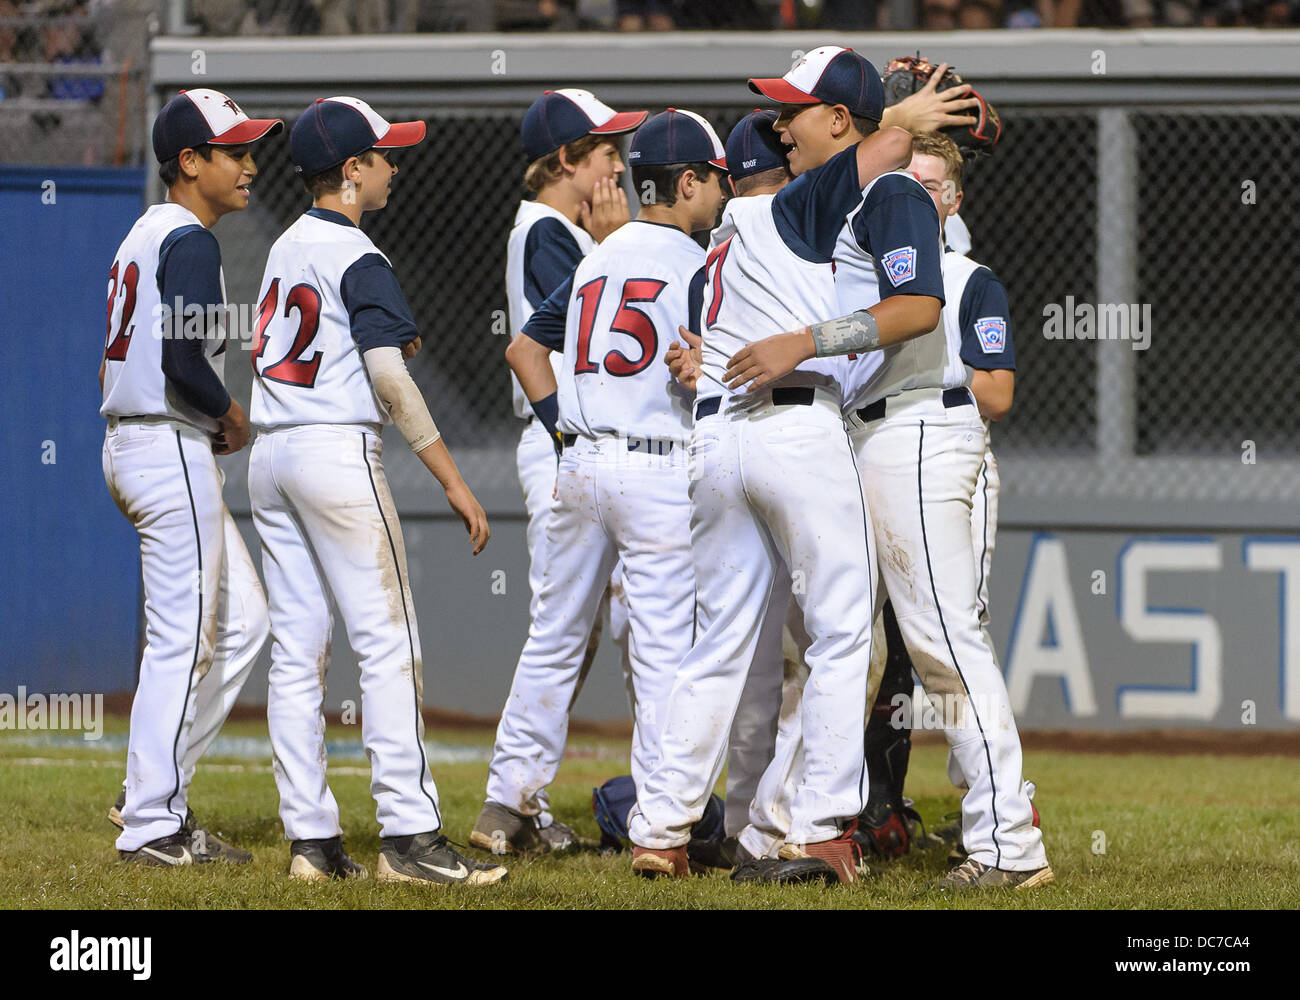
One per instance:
[(762, 468)]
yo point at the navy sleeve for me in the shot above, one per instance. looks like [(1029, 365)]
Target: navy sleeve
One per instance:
[(189, 276), (550, 255), (377, 310), (899, 227), (546, 324), (985, 319), (695, 301), (810, 210)]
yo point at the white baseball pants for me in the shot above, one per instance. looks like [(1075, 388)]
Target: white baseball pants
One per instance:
[(767, 819), (205, 614), (536, 465), (984, 526), (919, 466), (328, 527), (770, 484), (612, 505)]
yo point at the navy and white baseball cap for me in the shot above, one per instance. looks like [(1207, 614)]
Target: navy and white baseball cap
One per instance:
[(753, 146), (559, 117), (829, 74), (676, 137), (335, 128), (195, 117)]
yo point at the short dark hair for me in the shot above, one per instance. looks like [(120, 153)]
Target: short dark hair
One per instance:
[(331, 180), (662, 180), (169, 171), (763, 178), (865, 126)]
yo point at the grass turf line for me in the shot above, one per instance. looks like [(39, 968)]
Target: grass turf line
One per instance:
[(1180, 832)]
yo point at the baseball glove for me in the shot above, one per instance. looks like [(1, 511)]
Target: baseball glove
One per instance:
[(905, 76)]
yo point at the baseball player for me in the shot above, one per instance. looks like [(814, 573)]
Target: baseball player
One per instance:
[(975, 296), (918, 441), (622, 490), (772, 260), (168, 411), (758, 160), (570, 139), (333, 330), (983, 318)]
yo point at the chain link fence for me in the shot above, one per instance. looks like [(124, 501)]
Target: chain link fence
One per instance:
[(1211, 287), (1148, 252)]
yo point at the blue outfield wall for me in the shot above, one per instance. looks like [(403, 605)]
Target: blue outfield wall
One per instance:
[(69, 618)]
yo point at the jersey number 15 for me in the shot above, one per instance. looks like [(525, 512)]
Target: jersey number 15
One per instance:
[(628, 320)]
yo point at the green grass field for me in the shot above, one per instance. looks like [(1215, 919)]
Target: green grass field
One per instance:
[(1179, 832)]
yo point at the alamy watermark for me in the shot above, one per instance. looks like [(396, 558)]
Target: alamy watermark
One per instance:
[(1129, 321), (24, 711), (76, 953)]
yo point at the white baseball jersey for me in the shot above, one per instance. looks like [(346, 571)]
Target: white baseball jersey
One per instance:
[(134, 384), (957, 234), (932, 360), (976, 315), (538, 258), (756, 285), (308, 362), (628, 297)]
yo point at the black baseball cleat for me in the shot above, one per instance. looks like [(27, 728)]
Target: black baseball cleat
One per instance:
[(172, 851), (784, 871), (429, 858), (205, 846), (718, 852), (319, 860)]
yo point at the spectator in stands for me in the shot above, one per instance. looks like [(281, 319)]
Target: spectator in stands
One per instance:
[(67, 41), (219, 17), (947, 15), (8, 48), (537, 15), (644, 15)]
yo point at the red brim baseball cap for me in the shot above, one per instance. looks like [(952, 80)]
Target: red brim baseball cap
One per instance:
[(205, 117), (335, 128), (402, 134), (560, 117), (779, 89), (828, 74)]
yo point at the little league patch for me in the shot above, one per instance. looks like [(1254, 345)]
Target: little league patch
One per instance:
[(900, 265)]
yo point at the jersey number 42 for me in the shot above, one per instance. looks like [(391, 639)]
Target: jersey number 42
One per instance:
[(293, 368), (627, 320)]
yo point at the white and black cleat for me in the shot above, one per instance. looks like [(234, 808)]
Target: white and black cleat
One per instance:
[(172, 851), (430, 859), (320, 860)]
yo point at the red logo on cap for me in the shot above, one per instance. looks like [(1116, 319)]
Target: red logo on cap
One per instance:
[(229, 103)]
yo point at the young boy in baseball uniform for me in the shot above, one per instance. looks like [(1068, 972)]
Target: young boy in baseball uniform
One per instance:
[(622, 490), (333, 332), (168, 411), (570, 139), (772, 259), (918, 441)]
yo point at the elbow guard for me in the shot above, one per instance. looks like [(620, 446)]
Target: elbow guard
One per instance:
[(394, 385)]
